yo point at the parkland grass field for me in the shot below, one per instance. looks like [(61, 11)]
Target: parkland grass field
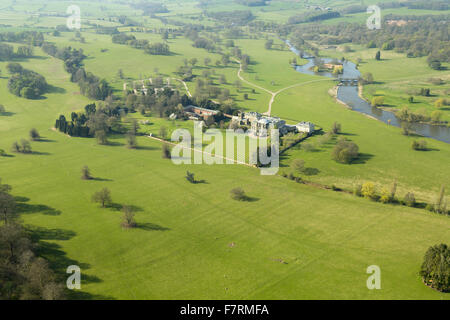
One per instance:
[(192, 241)]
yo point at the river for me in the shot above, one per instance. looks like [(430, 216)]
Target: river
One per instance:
[(348, 94)]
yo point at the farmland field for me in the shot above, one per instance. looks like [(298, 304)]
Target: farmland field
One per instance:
[(289, 240)]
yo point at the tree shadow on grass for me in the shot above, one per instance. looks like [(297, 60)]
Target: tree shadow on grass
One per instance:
[(37, 153), (42, 139), (25, 208), (147, 226), (118, 207), (363, 158), (53, 89), (7, 114), (59, 262), (41, 233), (146, 148), (101, 179)]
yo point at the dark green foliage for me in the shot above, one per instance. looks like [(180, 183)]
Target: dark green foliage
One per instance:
[(25, 83), (22, 147), (190, 177), (34, 135), (435, 269), (313, 16), (166, 154), (6, 52), (378, 55)]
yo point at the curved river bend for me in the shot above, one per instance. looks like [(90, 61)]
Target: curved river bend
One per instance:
[(349, 95)]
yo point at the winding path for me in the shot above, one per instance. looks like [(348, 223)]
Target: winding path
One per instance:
[(273, 94)]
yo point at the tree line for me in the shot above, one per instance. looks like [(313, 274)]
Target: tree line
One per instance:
[(149, 48), (420, 36), (90, 85)]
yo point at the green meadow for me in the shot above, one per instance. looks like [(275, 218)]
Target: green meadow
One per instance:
[(192, 241)]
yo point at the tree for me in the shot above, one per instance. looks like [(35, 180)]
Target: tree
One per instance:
[(2, 109), (336, 129), (345, 151), (367, 78), (15, 147), (103, 197), (120, 74), (238, 194), (207, 61), (409, 199), (166, 151), (193, 61), (190, 177), (406, 128), (162, 132), (378, 101), (85, 173), (436, 116), (100, 135), (435, 269), (268, 45), (131, 141), (34, 135), (441, 205), (298, 165), (378, 56), (7, 207), (128, 217)]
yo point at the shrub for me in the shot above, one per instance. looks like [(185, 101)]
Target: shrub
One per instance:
[(368, 191), (85, 173), (103, 197), (2, 109), (420, 145), (435, 269), (2, 153), (238, 194), (385, 196)]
